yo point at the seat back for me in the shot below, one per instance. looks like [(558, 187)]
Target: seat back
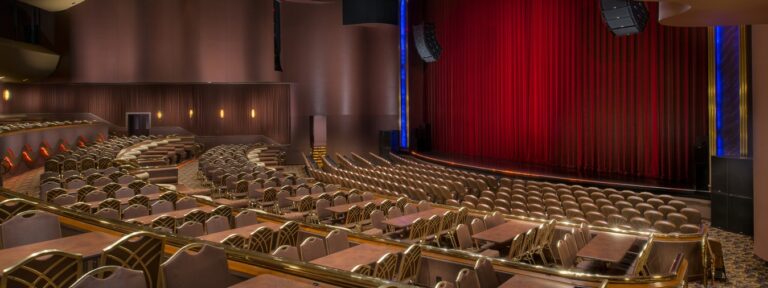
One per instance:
[(288, 234), (336, 241), (29, 227), (162, 206), (49, 268), (191, 229), (287, 252), (261, 240), (108, 213), (467, 279), (246, 218), (118, 277), (186, 203), (312, 248), (411, 264), (205, 268), (216, 223), (139, 251), (386, 267), (485, 273)]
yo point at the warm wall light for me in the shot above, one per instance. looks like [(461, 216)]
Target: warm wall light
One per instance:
[(221, 113), (159, 115), (6, 94), (191, 113), (253, 113)]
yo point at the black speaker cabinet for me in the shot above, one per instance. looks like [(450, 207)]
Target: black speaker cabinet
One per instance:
[(731, 202), (370, 11), (624, 17), (388, 141), (425, 38)]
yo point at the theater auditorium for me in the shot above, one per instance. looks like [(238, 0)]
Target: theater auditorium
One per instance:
[(383, 143)]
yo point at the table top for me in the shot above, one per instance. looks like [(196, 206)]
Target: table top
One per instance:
[(362, 254), (272, 281), (176, 214), (186, 190), (505, 232), (244, 231), (87, 244), (607, 247), (520, 280), (407, 220), (345, 207)]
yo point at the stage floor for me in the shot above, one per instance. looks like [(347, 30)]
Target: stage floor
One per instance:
[(569, 176)]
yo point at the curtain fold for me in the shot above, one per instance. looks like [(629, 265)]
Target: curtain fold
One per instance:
[(545, 82)]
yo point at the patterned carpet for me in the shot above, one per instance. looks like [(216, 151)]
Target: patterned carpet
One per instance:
[(27, 183), (743, 268)]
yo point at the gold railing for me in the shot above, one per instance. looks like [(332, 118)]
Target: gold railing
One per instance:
[(248, 258), (339, 277)]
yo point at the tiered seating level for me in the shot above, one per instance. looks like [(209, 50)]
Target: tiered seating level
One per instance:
[(518, 240), (160, 151), (229, 170), (599, 207), (20, 126), (266, 155)]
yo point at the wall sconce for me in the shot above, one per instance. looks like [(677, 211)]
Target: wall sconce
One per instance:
[(159, 115), (191, 113), (6, 95), (221, 113), (253, 113)]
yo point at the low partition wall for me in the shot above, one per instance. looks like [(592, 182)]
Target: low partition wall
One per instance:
[(28, 149)]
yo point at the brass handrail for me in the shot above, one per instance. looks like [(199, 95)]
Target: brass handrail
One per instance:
[(301, 269)]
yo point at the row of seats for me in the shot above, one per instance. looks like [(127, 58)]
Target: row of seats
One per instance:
[(207, 267), (19, 126), (160, 151), (601, 207), (266, 155)]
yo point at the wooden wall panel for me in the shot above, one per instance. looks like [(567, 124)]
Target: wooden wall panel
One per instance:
[(271, 103)]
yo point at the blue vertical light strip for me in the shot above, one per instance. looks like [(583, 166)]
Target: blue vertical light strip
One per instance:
[(403, 74), (719, 90)]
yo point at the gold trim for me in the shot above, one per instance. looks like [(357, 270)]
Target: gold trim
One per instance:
[(711, 95), (338, 277), (743, 92)]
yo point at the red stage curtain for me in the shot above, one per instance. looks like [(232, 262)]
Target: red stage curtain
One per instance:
[(545, 82)]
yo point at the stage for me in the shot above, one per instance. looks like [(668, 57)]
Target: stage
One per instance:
[(561, 175)]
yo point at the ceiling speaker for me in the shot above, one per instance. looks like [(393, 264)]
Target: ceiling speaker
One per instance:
[(425, 39), (624, 17)]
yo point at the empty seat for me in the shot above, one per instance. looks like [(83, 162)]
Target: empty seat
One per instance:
[(29, 227), (336, 241), (287, 252), (664, 226), (117, 277), (216, 223), (312, 248), (205, 268), (161, 206), (191, 229), (135, 211), (467, 279), (246, 218), (677, 219), (694, 216)]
